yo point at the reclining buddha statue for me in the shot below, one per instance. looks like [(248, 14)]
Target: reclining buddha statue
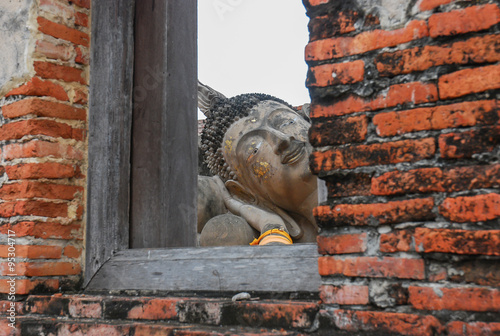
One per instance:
[(262, 191)]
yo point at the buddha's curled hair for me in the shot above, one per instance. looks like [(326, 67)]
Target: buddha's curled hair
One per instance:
[(221, 113)]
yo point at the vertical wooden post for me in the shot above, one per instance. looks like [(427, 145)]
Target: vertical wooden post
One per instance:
[(164, 128), (110, 113)]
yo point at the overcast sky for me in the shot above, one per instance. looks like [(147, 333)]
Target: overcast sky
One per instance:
[(253, 46)]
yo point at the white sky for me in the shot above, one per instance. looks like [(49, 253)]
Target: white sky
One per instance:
[(249, 46)]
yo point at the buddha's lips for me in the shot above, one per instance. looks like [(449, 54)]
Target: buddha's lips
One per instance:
[(293, 153)]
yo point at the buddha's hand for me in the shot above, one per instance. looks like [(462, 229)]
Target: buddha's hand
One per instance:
[(262, 220)]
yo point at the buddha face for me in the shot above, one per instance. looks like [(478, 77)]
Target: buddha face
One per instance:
[(269, 152)]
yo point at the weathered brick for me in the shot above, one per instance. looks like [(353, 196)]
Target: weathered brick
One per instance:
[(375, 213), (351, 184), (337, 131), (457, 241), (399, 94), (82, 55), (72, 252), (483, 272), (463, 21), (81, 19), (44, 230), (344, 295), (396, 241), (468, 81), (51, 128), (33, 208), (63, 32), (270, 314), (372, 155), (457, 298), (82, 3), (335, 23), (372, 267), (464, 114), (387, 322), (25, 286), (42, 268), (482, 49), (39, 87), (49, 170), (376, 39), (141, 308), (80, 96), (425, 180), (465, 144), (32, 189), (315, 3), (54, 51), (55, 71), (335, 74), (471, 208), (459, 328), (32, 251), (344, 243), (6, 304), (85, 307), (37, 148), (43, 108), (426, 5)]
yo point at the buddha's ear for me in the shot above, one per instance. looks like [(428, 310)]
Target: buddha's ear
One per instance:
[(237, 190)]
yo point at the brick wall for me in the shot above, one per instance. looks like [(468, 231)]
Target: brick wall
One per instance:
[(405, 127), (43, 151)]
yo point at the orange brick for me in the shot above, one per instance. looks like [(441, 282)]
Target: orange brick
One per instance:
[(425, 180), (325, 26), (55, 71), (45, 268), (50, 170), (426, 5), (317, 2), (72, 252), (483, 112), (344, 243), (376, 39), (399, 94), (36, 148), (25, 286), (396, 241), (372, 267), (33, 208), (63, 32), (39, 87), (31, 189), (344, 295), (457, 241), (81, 19), (471, 208), (80, 96), (465, 144), (463, 21), (43, 108), (32, 251), (387, 323), (44, 230), (54, 51), (474, 50), (375, 213), (461, 298), (459, 328), (372, 155), (82, 55), (464, 82), (337, 73), (146, 308), (82, 3), (51, 128)]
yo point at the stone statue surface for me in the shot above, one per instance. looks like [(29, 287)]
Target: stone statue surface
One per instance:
[(262, 191)]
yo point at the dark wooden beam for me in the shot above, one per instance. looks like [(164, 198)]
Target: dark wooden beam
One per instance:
[(110, 114), (164, 148)]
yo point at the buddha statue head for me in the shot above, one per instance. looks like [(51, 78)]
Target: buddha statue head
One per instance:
[(257, 144)]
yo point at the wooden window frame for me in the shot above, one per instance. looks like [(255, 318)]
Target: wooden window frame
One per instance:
[(110, 263)]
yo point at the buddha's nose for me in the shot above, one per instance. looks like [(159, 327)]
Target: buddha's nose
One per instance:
[(283, 143)]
